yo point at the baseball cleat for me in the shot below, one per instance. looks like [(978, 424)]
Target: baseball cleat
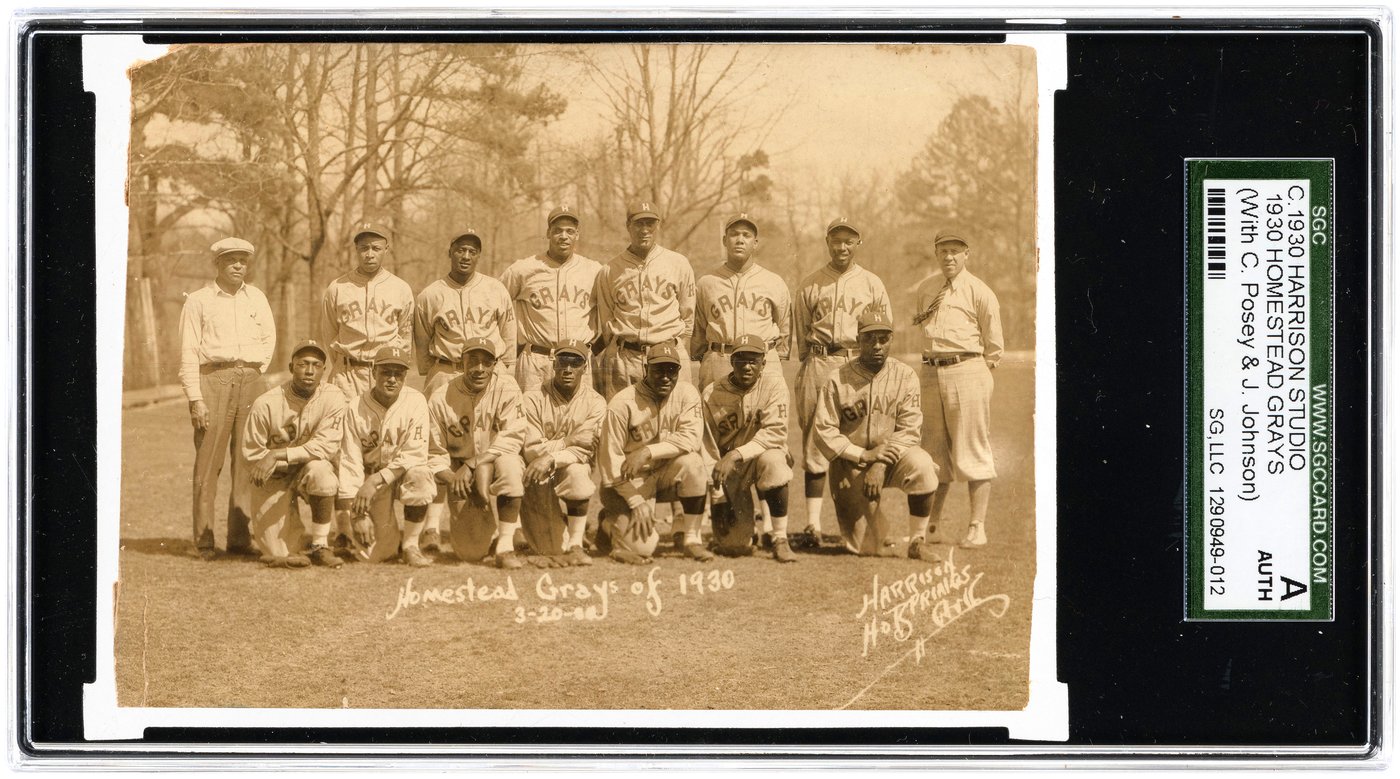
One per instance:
[(542, 561), (242, 550), (208, 554), (976, 536), (577, 556), (321, 555), (412, 555), (698, 552), (629, 557), (509, 561), (290, 561), (919, 551), (808, 538), (430, 542), (782, 552)]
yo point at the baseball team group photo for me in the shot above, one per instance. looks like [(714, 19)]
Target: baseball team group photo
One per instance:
[(596, 376)]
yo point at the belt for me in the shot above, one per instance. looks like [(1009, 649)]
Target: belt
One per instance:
[(729, 348), (218, 366), (356, 361), (834, 349), (944, 360), (638, 346), (545, 350)]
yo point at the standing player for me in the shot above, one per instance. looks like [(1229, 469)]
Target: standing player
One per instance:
[(562, 422), (746, 433), (824, 314), (960, 321), (227, 337), (454, 309), (867, 426), (553, 297), (741, 298), (449, 312), (645, 296), (290, 444), (383, 457), (477, 432), (366, 310), (650, 451)]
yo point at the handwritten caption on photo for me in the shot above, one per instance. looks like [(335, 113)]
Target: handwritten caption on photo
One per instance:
[(936, 596)]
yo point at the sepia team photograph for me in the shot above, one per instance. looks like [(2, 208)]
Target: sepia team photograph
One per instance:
[(582, 377)]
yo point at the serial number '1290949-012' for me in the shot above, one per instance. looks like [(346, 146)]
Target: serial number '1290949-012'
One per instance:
[(1259, 377)]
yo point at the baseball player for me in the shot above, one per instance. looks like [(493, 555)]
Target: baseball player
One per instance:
[(824, 326), (650, 451), (867, 426), (746, 433), (227, 337), (448, 312), (645, 296), (477, 434), (960, 322), (384, 457), (366, 310), (562, 422), (290, 443), (741, 298), (553, 297)]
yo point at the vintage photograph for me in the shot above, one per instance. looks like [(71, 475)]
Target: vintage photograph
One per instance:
[(580, 377)]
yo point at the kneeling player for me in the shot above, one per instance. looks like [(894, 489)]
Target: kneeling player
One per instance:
[(867, 423), (383, 457), (746, 432), (562, 421), (477, 432), (650, 451), (289, 442)]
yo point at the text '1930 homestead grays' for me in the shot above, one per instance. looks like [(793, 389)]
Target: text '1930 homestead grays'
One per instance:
[(1259, 384)]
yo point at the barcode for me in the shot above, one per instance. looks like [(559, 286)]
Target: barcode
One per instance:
[(1215, 233)]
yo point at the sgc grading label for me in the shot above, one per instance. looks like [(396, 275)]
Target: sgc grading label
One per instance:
[(1259, 389)]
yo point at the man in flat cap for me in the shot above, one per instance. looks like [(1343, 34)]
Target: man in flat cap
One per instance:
[(553, 296), (366, 310), (383, 459), (290, 443), (959, 321), (867, 426), (645, 296), (227, 337), (477, 434), (464, 305), (825, 311), (650, 451), (740, 298)]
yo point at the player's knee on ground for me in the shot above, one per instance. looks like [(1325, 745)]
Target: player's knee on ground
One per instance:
[(691, 479), (773, 468), (317, 479), (574, 482), (417, 487), (508, 478), (914, 472)]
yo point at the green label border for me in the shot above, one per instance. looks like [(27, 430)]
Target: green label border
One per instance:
[(1320, 174)]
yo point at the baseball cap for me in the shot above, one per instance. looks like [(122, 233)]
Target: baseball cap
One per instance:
[(229, 245), (644, 209), (467, 233), (372, 228), (560, 213), (951, 235), (660, 353), (391, 355), (572, 346), (309, 344), (874, 317), (478, 345), (741, 217), (751, 344), (841, 221)]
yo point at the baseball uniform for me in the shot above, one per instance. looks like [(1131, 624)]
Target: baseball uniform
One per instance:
[(825, 312), (672, 429), (642, 301), (553, 303), (226, 341), (310, 430), (730, 304), (447, 314), (362, 315), (392, 444), (859, 410), (488, 424), (754, 423)]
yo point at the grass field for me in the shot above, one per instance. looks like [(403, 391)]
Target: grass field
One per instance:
[(752, 634)]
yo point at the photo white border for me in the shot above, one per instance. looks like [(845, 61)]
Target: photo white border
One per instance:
[(106, 59)]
